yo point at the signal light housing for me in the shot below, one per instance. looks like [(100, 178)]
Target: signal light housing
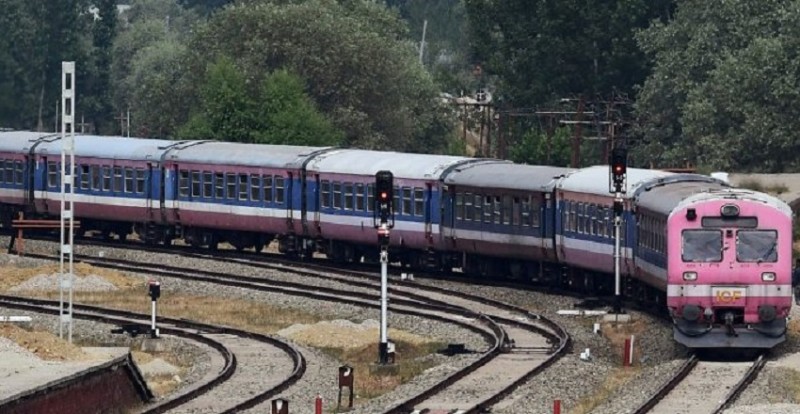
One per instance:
[(618, 164), (384, 199)]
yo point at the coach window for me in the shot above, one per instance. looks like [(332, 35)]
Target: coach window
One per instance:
[(488, 209), (217, 183), (230, 181), (407, 210), (467, 199), (370, 197), (419, 199), (183, 183), (96, 181), (592, 211), (325, 190), (515, 212), (208, 184), (397, 206), (9, 175), (106, 178), (85, 176), (525, 211), (140, 180), (701, 246), (279, 189), (196, 184), (19, 172), (268, 188), (243, 187), (230, 186), (219, 186), (476, 207), (459, 206), (757, 246), (506, 209), (359, 197), (129, 180), (348, 196), (52, 174), (337, 195), (255, 187), (118, 179)]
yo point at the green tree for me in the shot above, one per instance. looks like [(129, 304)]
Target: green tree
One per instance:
[(98, 100), (361, 72), (542, 50), (288, 115), (158, 103), (37, 36), (535, 149), (148, 67), (227, 111), (724, 90)]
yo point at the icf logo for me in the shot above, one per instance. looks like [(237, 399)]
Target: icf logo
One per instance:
[(727, 296)]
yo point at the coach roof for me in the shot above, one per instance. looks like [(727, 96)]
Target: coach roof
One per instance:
[(232, 153), (108, 147), (402, 165), (594, 180), (19, 141), (503, 174)]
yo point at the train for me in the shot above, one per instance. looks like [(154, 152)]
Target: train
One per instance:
[(717, 258)]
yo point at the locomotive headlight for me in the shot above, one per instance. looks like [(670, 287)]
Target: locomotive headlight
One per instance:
[(729, 210), (768, 276), (689, 276)]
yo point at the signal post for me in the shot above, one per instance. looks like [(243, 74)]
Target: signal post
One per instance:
[(383, 221), (618, 164)]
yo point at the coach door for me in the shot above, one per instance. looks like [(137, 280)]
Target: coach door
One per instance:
[(448, 212), (284, 194), (316, 202), (427, 202)]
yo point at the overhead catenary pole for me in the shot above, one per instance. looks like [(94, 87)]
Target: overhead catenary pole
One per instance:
[(66, 280)]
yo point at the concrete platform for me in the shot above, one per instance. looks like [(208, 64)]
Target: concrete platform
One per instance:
[(29, 385)]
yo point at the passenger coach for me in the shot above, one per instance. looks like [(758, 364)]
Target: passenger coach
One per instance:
[(341, 213), (498, 218)]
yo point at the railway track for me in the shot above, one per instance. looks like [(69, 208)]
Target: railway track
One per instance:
[(522, 344), (703, 387), (229, 367)]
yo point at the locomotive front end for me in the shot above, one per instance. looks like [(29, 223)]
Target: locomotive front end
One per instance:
[(730, 286)]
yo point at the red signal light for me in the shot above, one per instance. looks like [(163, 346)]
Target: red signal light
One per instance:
[(384, 196)]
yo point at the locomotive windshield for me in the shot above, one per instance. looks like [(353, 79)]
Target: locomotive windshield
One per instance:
[(757, 246), (702, 246)]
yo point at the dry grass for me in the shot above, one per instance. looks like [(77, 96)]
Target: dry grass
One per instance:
[(12, 275), (618, 378), (618, 333), (247, 315), (161, 384), (410, 363), (43, 344)]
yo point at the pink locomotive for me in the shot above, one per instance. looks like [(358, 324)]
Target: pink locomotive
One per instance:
[(729, 281)]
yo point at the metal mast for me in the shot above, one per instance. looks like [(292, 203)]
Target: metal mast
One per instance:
[(66, 280)]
